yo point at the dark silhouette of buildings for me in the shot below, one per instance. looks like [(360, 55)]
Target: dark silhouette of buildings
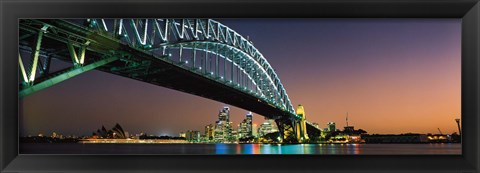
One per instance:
[(115, 133)]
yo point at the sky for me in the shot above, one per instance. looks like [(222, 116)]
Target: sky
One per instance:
[(390, 75)]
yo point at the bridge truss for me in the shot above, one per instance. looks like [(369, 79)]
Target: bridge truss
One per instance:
[(201, 46)]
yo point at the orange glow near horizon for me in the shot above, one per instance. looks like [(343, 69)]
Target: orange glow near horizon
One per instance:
[(416, 97), (391, 75)]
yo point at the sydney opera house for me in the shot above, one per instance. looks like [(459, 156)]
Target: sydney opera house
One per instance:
[(115, 133)]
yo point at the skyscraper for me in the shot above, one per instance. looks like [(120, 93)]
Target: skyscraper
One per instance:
[(245, 127), (223, 127), (224, 114), (209, 132), (254, 130)]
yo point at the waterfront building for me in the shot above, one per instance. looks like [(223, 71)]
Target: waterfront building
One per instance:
[(224, 114), (242, 130), (223, 131), (220, 131), (234, 136), (209, 132), (54, 135), (245, 127), (438, 138), (254, 130), (267, 127), (248, 120), (193, 136), (182, 134), (116, 132), (331, 127), (223, 127)]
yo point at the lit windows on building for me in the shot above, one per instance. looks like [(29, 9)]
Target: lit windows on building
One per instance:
[(245, 127), (192, 136), (267, 127), (209, 132), (183, 134)]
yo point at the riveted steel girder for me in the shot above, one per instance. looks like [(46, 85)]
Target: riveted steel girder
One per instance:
[(204, 47), (204, 35), (75, 71)]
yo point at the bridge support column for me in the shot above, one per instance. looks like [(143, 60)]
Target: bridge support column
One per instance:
[(301, 130), (301, 124), (287, 130)]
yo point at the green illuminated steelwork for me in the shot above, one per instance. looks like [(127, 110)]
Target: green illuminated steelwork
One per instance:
[(64, 76), (22, 68), (36, 52), (186, 33), (75, 58), (249, 71)]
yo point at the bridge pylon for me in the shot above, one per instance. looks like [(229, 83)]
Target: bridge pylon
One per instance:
[(301, 125), (288, 130), (294, 129), (186, 55)]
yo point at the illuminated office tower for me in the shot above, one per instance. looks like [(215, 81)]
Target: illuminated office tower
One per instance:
[(219, 131), (233, 137), (223, 127), (248, 120), (264, 129), (245, 127), (209, 132), (224, 114), (254, 130), (242, 130)]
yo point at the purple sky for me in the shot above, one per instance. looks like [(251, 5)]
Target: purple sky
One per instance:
[(391, 75)]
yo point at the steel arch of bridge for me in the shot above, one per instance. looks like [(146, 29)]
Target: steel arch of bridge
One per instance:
[(248, 68), (130, 47)]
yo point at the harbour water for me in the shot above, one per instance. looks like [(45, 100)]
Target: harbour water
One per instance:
[(212, 149)]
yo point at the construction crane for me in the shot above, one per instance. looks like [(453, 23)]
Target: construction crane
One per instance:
[(440, 131)]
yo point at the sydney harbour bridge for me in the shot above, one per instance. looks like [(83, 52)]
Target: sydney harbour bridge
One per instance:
[(197, 56)]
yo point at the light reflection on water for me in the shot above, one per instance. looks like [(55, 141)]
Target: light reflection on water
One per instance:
[(342, 149), (322, 149)]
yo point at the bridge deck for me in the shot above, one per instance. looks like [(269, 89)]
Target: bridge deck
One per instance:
[(153, 69), (161, 72)]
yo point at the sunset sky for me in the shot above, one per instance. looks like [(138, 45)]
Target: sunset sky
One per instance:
[(390, 75)]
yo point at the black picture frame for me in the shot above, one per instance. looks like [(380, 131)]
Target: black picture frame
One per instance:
[(11, 11)]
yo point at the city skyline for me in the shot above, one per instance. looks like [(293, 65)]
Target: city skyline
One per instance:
[(323, 83)]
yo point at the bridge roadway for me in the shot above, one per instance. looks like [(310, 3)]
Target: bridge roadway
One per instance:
[(149, 68)]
